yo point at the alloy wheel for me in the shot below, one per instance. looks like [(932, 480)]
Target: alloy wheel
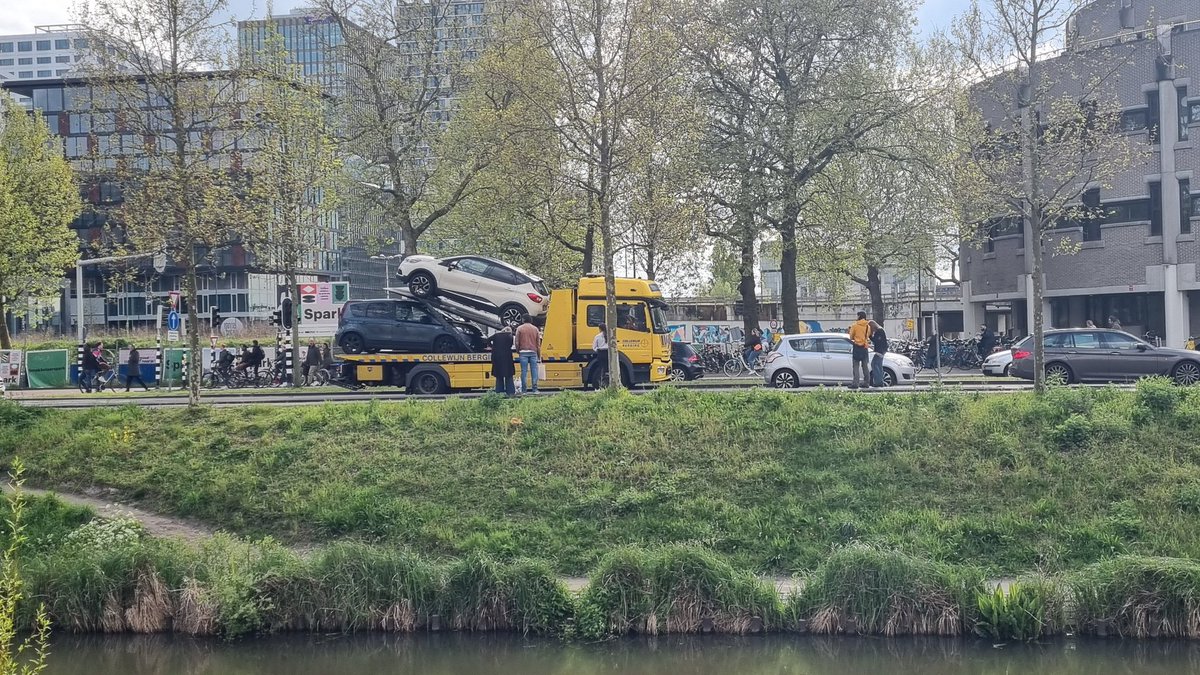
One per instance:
[(784, 379), (421, 285), (1058, 374), (677, 374), (1187, 373)]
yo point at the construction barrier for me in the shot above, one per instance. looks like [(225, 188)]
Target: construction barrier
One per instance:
[(48, 369)]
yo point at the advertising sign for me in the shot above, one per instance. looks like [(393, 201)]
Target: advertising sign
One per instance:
[(320, 304)]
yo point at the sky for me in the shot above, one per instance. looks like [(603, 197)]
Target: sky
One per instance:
[(21, 16)]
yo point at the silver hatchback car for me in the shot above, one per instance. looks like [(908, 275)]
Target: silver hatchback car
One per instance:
[(826, 358)]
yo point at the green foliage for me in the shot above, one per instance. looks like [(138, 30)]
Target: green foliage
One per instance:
[(768, 480), (1136, 596), (868, 590), (27, 656), (1024, 611), (1156, 399)]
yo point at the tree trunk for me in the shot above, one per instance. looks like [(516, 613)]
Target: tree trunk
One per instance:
[(1039, 321), (5, 337), (408, 235), (787, 276), (746, 286), (875, 291), (195, 366)]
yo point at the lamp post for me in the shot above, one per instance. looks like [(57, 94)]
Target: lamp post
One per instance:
[(386, 273)]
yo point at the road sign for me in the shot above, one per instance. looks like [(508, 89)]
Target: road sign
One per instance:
[(173, 299), (172, 336), (173, 321), (320, 304)]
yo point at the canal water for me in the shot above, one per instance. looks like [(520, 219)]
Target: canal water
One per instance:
[(445, 654)]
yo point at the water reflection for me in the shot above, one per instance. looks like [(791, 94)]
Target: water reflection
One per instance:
[(444, 654)]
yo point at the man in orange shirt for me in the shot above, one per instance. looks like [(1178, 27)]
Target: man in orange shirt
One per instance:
[(860, 335), (529, 344)]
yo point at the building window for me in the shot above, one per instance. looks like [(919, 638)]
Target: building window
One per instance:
[(25, 46), (43, 60), (62, 59), (60, 72), (27, 61), (45, 73), (1093, 217), (1132, 211), (1135, 120), (1194, 113), (6, 47), (1185, 114), (43, 45), (62, 44), (1156, 209), (81, 43), (6, 62), (25, 75), (1152, 115), (1186, 201)]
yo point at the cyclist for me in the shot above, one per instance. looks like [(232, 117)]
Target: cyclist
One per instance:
[(753, 347), (244, 361), (89, 368), (257, 356), (224, 362)]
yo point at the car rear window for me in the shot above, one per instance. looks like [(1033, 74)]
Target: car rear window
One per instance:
[(682, 349), (540, 288), (357, 310)]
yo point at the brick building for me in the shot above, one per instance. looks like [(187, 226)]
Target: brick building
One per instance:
[(1137, 263)]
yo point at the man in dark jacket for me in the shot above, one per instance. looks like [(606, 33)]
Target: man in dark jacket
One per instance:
[(257, 356), (879, 344), (312, 362), (503, 368), (133, 369), (88, 368), (987, 341)]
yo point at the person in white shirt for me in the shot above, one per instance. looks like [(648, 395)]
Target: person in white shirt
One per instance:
[(600, 342)]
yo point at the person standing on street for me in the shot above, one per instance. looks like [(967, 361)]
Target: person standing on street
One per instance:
[(89, 368), (529, 345), (503, 368), (133, 370), (860, 335), (987, 341), (879, 342), (312, 362)]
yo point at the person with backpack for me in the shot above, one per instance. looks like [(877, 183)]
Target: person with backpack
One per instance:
[(860, 335), (133, 366)]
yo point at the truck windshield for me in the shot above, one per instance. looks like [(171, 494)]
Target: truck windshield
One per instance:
[(658, 317)]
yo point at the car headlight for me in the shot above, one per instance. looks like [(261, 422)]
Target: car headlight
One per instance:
[(904, 361)]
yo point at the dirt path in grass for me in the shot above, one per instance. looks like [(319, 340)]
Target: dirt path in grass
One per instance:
[(158, 525)]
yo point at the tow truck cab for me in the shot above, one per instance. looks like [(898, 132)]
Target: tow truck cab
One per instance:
[(641, 336)]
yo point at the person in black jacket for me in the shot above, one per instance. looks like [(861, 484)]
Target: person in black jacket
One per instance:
[(503, 368), (879, 344), (987, 341), (133, 369), (88, 368)]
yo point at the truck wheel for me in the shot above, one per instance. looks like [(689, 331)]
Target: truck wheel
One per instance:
[(445, 345), (428, 383)]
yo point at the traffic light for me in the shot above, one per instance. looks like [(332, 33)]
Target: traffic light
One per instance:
[(216, 316), (285, 309), (275, 320)]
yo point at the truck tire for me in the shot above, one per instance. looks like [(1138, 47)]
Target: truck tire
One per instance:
[(428, 382)]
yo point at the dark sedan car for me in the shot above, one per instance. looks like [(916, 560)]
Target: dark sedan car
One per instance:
[(402, 326), (1101, 355), (685, 362)]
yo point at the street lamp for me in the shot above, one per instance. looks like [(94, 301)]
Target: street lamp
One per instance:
[(385, 258)]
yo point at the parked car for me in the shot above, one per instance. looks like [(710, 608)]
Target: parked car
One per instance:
[(998, 363), (402, 326), (685, 362), (477, 282), (1104, 355), (826, 358)]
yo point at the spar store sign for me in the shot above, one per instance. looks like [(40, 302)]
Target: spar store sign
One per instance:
[(320, 304)]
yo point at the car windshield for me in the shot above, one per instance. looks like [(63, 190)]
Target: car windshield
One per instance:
[(658, 317)]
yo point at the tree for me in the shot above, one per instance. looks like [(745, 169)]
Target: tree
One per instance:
[(802, 82), (1035, 137), (38, 201), (594, 73), (404, 67), (162, 79), (295, 172)]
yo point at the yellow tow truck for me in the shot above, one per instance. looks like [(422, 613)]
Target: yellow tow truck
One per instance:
[(566, 359)]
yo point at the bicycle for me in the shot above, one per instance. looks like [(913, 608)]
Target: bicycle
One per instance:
[(103, 377), (737, 364)]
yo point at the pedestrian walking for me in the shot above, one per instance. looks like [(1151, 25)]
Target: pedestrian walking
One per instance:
[(860, 335), (987, 341), (503, 368), (529, 345), (1114, 323), (312, 362), (89, 368), (879, 343), (133, 369)]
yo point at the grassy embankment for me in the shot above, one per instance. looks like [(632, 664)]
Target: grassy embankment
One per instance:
[(947, 489), (95, 575), (771, 481)]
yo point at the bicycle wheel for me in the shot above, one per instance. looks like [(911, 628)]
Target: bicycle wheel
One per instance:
[(321, 377), (732, 368)]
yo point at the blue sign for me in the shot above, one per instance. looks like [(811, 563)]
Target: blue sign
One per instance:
[(173, 320)]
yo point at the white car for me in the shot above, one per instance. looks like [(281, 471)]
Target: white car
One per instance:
[(477, 282), (826, 358), (997, 364)]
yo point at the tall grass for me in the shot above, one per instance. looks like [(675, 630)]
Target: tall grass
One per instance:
[(1140, 597), (863, 589)]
